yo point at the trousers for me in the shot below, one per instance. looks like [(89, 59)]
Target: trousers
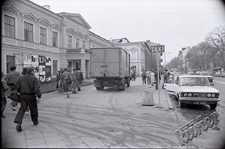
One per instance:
[(25, 101)]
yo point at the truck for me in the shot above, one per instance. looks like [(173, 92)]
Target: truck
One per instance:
[(110, 67)]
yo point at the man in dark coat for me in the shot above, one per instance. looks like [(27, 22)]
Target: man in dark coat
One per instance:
[(29, 89), (156, 78), (80, 78)]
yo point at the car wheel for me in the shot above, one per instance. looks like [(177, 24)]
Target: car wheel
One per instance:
[(181, 104), (213, 106)]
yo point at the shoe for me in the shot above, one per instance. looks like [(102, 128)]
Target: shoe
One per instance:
[(18, 127), (13, 108), (74, 92), (36, 123), (3, 116), (68, 96), (79, 89)]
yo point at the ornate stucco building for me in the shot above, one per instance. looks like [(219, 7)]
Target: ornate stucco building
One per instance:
[(33, 35)]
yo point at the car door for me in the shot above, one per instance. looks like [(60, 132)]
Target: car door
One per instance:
[(173, 88)]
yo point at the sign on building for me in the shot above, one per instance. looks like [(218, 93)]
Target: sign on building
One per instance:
[(41, 64), (158, 49)]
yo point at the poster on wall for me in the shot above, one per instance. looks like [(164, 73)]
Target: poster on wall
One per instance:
[(41, 64)]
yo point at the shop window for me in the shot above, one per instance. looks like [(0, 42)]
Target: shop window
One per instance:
[(55, 66)]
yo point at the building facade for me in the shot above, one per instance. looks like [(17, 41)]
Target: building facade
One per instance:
[(33, 35)]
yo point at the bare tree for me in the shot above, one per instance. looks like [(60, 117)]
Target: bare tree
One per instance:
[(216, 38)]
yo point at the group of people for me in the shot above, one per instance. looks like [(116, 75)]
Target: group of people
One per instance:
[(67, 80), (28, 88), (151, 77)]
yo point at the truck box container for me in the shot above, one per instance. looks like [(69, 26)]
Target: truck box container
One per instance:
[(110, 67)]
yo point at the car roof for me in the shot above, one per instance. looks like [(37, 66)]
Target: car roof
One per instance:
[(190, 76)]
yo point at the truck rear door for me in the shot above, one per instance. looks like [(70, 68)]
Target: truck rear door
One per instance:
[(112, 62)]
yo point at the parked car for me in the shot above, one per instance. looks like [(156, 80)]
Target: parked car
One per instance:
[(210, 77), (217, 74), (193, 89), (222, 74)]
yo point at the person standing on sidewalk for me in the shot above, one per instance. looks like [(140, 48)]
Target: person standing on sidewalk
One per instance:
[(57, 78), (29, 88), (4, 88), (143, 75), (152, 75), (65, 80), (73, 77), (80, 78), (11, 78), (148, 77)]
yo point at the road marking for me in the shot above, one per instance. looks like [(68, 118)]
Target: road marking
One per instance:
[(219, 82)]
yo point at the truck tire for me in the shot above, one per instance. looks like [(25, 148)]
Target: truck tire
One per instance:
[(100, 88), (121, 87)]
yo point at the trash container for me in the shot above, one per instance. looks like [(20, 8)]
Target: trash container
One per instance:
[(147, 98)]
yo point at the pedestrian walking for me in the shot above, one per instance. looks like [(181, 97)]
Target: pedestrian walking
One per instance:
[(66, 81), (143, 75), (166, 77), (80, 78), (60, 83), (29, 89), (148, 76), (73, 77), (57, 78), (4, 88), (133, 74), (11, 79), (156, 79), (152, 75)]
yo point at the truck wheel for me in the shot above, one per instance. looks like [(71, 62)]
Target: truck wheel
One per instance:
[(213, 106), (121, 87), (100, 88)]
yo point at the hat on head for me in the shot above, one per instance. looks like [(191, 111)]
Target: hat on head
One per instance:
[(30, 69)]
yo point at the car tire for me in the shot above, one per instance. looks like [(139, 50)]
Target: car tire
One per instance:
[(213, 106), (181, 104)]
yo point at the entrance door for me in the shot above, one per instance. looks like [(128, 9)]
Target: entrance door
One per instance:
[(10, 61)]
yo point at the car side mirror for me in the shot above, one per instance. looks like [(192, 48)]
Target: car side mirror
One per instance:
[(211, 84)]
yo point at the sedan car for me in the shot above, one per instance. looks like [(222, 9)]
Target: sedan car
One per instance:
[(207, 75), (193, 89)]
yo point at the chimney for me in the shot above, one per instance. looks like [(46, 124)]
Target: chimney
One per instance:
[(46, 7)]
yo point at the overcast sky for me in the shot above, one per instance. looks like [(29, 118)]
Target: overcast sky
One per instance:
[(173, 23)]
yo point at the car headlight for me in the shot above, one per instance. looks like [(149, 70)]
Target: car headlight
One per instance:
[(208, 95), (185, 94), (213, 95), (189, 94)]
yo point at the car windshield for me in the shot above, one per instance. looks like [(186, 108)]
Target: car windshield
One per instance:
[(194, 81)]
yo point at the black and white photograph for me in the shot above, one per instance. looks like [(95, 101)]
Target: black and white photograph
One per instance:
[(113, 74)]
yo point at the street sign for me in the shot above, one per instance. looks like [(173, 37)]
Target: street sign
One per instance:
[(158, 49)]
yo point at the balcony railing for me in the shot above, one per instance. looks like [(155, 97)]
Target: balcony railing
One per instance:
[(77, 50)]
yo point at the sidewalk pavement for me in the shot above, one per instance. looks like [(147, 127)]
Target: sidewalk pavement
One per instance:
[(44, 136)]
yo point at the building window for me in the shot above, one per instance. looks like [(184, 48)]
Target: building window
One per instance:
[(10, 61), (9, 26), (69, 41), (54, 39), (84, 44), (78, 43), (43, 36), (28, 32)]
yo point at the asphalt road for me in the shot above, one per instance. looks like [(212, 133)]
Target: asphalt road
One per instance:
[(213, 137)]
